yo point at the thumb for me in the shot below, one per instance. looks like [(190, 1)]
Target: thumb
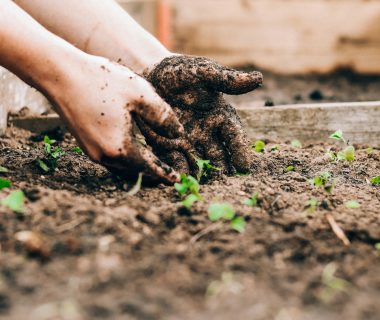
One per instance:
[(159, 115), (235, 82)]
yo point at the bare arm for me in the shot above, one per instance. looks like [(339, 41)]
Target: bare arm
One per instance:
[(99, 27)]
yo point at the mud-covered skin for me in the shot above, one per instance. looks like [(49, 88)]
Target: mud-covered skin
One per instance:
[(194, 87)]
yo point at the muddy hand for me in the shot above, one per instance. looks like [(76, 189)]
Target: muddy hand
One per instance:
[(194, 86)]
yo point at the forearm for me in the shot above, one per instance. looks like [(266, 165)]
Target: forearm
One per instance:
[(29, 50), (99, 27)]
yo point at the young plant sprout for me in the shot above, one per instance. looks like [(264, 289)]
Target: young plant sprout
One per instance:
[(377, 246), (311, 205), (276, 147), (137, 187), (204, 168), (290, 168), (225, 211), (338, 135), (324, 180), (14, 201), (347, 154), (369, 150), (189, 190), (5, 184), (352, 204), (252, 201), (332, 284), (259, 146), (3, 169), (296, 143), (376, 181), (77, 150), (52, 155)]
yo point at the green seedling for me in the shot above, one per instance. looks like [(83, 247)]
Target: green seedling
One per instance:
[(204, 168), (324, 180), (376, 181), (377, 246), (189, 190), (332, 284), (259, 146), (3, 169), (77, 150), (333, 156), (238, 224), (252, 201), (347, 154), (225, 211), (296, 143), (338, 135), (290, 168), (52, 155), (352, 204), (369, 150), (14, 201), (311, 205), (5, 184), (274, 148)]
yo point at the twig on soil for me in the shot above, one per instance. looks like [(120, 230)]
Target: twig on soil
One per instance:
[(70, 225), (205, 231), (337, 230), (137, 187)]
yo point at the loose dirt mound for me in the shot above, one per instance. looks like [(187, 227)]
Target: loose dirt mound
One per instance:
[(101, 254)]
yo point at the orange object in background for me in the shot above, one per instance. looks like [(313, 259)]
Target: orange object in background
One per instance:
[(164, 15)]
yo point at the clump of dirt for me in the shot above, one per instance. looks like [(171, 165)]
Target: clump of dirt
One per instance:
[(194, 86), (108, 255)]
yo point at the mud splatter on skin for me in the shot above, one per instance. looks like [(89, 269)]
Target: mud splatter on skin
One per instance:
[(194, 87)]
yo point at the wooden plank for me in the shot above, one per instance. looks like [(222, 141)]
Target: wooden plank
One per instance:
[(308, 123), (314, 122), (293, 36)]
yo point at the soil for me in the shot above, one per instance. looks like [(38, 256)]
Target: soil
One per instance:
[(98, 253)]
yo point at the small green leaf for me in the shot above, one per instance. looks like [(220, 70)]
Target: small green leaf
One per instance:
[(43, 165), (5, 184), (311, 205), (290, 168), (296, 143), (252, 201), (275, 148), (376, 181), (15, 201), (259, 146), (217, 211), (77, 150), (204, 168), (57, 153), (49, 141), (337, 135), (190, 200), (238, 224), (352, 204), (347, 154), (3, 169), (333, 156), (369, 150), (377, 246)]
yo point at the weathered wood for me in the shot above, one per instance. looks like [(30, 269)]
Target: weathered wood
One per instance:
[(308, 123), (360, 122), (293, 36)]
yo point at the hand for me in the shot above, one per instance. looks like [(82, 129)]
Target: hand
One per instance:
[(99, 104), (193, 86)]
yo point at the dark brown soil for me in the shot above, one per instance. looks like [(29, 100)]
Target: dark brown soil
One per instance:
[(101, 254)]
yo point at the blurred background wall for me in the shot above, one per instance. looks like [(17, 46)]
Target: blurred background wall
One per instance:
[(285, 36)]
